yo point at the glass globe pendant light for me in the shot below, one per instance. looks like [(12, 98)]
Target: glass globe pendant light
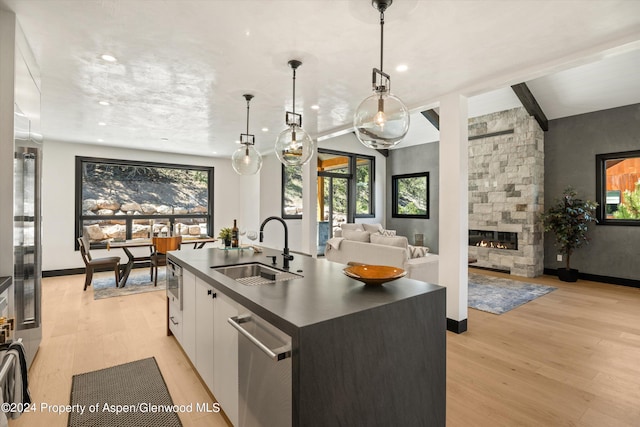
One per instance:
[(294, 146), (246, 160), (382, 120)]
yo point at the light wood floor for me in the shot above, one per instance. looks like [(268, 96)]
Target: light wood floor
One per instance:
[(571, 357), (81, 334)]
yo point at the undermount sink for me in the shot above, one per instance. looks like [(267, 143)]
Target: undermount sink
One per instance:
[(255, 274)]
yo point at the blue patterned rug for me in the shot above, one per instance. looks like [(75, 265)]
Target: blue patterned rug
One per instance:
[(497, 295), (137, 283)]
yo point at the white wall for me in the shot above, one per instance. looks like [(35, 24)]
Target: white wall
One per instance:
[(58, 198)]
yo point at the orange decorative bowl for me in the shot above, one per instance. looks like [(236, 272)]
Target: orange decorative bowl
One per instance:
[(374, 274)]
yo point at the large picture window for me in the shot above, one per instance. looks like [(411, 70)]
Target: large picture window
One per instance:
[(410, 195), (618, 188), (121, 199)]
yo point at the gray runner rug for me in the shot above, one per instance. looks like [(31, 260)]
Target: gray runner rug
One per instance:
[(133, 394)]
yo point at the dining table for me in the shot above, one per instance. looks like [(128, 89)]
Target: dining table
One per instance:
[(126, 245)]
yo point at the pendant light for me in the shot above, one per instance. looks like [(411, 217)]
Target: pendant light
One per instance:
[(246, 160), (382, 120), (294, 146)]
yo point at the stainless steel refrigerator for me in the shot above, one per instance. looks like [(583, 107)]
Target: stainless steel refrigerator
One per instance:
[(27, 247)]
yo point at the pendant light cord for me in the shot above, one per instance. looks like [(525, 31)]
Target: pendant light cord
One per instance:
[(294, 91), (381, 38), (248, 116)]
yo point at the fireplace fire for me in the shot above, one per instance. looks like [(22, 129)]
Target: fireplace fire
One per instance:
[(493, 239)]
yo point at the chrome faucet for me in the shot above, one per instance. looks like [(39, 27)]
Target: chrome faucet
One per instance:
[(285, 251)]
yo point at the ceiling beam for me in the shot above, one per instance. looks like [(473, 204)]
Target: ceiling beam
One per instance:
[(433, 117), (531, 105)]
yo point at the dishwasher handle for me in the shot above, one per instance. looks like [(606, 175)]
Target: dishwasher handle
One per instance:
[(277, 354)]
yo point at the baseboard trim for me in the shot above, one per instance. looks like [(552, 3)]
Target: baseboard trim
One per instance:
[(602, 279), (457, 326), (63, 272), (72, 271)]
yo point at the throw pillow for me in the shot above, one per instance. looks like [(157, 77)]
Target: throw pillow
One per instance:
[(373, 228), (399, 241), (351, 226), (356, 235), (417, 251), (388, 233)]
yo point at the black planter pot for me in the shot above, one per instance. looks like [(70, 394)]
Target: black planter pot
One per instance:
[(568, 275), (227, 243)]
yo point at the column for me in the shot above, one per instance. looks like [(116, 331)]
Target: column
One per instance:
[(454, 206)]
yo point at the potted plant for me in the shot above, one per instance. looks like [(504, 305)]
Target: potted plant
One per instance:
[(568, 219), (225, 234)]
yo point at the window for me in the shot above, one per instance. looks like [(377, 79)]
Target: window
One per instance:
[(364, 186), (618, 188), (291, 192), (342, 194), (121, 199), (410, 195)]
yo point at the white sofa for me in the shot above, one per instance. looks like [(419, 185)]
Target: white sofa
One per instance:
[(352, 247)]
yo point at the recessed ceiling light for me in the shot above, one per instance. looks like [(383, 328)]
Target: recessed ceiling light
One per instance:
[(265, 129), (401, 68), (100, 140), (247, 33), (214, 152), (108, 58), (102, 124), (315, 107), (104, 103), (237, 141)]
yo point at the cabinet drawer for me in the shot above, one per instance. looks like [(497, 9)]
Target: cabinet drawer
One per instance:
[(175, 320)]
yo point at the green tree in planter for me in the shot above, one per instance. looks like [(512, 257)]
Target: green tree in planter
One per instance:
[(630, 208), (568, 219)]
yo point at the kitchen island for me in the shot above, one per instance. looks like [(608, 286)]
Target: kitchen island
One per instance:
[(360, 355)]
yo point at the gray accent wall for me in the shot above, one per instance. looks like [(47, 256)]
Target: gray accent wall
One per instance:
[(414, 159), (571, 145)]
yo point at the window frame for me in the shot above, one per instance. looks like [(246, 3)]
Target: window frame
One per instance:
[(283, 183), (351, 189), (601, 188), (79, 218), (394, 195)]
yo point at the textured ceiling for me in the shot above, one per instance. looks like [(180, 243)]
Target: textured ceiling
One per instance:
[(183, 66)]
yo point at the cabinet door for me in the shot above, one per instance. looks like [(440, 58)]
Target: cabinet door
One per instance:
[(189, 314), (204, 331), (175, 319), (225, 357)]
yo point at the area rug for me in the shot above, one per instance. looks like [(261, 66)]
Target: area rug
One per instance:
[(498, 295), (133, 394), (137, 283)]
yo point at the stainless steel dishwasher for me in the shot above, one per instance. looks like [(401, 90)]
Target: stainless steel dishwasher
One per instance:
[(264, 371)]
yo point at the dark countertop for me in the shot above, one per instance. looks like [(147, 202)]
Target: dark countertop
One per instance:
[(323, 293), (5, 282)]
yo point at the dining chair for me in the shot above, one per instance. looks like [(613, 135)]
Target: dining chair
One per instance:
[(92, 264), (162, 245)]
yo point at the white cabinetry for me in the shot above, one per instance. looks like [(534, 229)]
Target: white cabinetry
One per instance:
[(189, 314), (175, 318), (205, 296), (225, 357), (207, 338)]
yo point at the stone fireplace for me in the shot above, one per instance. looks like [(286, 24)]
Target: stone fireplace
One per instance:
[(506, 192)]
